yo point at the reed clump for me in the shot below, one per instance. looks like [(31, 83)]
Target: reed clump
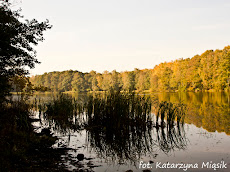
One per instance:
[(61, 113), (117, 120), (118, 110), (121, 126)]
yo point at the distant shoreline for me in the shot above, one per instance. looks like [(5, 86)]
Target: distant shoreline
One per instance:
[(145, 91)]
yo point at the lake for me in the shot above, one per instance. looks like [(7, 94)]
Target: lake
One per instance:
[(167, 131)]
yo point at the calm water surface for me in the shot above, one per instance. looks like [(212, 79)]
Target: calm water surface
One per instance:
[(204, 137)]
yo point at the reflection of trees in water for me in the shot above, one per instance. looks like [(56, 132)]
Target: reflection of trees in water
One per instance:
[(208, 110), (120, 126), (212, 117)]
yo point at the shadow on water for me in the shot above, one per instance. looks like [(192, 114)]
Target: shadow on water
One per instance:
[(120, 126)]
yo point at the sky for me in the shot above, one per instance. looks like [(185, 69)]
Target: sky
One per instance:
[(125, 34)]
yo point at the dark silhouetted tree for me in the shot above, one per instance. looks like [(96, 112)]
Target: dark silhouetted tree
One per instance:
[(17, 39)]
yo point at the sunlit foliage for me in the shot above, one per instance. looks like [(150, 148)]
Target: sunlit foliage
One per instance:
[(208, 71)]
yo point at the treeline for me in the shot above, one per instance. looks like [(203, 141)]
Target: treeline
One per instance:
[(208, 71)]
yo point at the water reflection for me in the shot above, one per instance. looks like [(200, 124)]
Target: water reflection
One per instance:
[(123, 128), (131, 144), (208, 110), (119, 126)]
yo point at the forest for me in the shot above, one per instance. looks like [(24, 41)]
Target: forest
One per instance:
[(208, 71)]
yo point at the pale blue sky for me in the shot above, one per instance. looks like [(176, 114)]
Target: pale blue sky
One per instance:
[(126, 34)]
